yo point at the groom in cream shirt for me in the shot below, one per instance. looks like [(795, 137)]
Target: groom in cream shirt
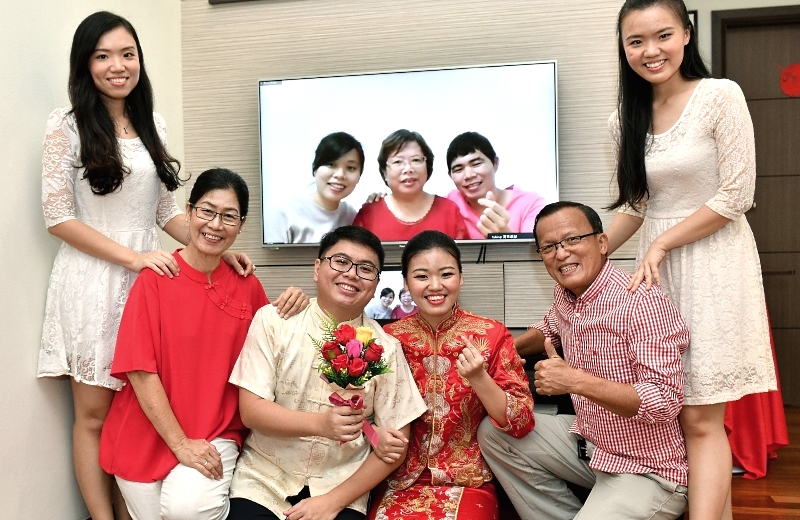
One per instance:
[(304, 456)]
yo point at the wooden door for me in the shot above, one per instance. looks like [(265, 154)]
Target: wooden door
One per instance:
[(754, 47)]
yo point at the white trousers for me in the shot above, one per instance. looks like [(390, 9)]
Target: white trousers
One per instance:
[(185, 493), (533, 471)]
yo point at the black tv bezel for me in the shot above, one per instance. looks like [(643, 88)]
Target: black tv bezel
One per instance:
[(495, 238)]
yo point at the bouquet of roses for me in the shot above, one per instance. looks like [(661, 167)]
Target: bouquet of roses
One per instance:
[(349, 357)]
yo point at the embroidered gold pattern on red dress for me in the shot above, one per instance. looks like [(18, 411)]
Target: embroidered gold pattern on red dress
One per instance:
[(444, 439)]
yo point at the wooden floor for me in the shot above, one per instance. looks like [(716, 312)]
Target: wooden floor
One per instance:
[(776, 496)]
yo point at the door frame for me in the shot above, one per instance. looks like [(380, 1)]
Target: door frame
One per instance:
[(721, 21)]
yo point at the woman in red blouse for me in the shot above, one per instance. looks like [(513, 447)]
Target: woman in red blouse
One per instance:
[(465, 367), (173, 433), (406, 163)]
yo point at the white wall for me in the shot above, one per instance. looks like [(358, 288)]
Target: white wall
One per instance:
[(36, 414), (704, 8)]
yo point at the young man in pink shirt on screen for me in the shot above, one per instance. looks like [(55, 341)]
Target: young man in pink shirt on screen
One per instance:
[(472, 164)]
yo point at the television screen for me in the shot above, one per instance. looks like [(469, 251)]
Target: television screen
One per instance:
[(310, 128)]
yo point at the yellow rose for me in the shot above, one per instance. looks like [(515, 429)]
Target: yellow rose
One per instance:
[(363, 334)]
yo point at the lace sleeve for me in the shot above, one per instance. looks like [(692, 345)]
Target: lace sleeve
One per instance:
[(615, 133), (167, 207), (732, 130), (161, 127), (58, 168)]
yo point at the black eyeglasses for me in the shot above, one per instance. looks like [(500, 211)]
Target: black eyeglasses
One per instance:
[(229, 219), (343, 264), (567, 244)]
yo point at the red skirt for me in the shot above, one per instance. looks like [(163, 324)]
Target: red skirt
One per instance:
[(422, 501)]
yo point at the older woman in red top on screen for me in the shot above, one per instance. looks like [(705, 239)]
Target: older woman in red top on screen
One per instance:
[(407, 307), (406, 163), (173, 433)]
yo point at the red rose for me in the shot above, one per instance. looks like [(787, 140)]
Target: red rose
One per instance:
[(344, 333), (330, 350), (340, 363), (357, 367), (373, 353)]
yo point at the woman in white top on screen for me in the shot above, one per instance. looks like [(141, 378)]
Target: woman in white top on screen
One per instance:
[(303, 219), (381, 310)]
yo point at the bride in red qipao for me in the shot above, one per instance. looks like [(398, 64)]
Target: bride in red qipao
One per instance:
[(465, 367)]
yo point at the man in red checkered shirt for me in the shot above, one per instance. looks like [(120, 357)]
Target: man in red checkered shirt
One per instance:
[(622, 366)]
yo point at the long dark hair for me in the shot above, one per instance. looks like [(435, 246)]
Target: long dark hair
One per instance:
[(99, 152), (635, 103)]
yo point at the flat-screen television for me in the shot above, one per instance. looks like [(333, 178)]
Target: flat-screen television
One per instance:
[(514, 106)]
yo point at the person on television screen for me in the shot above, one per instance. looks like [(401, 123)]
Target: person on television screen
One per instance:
[(303, 219), (407, 306), (406, 163), (472, 165), (381, 310)]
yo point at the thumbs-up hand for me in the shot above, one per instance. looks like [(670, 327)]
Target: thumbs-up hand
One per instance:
[(553, 375), (550, 349), (495, 217)]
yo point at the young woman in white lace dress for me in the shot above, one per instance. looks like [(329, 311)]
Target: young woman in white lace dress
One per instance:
[(107, 181), (686, 175)]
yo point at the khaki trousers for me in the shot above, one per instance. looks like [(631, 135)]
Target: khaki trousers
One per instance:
[(533, 471)]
